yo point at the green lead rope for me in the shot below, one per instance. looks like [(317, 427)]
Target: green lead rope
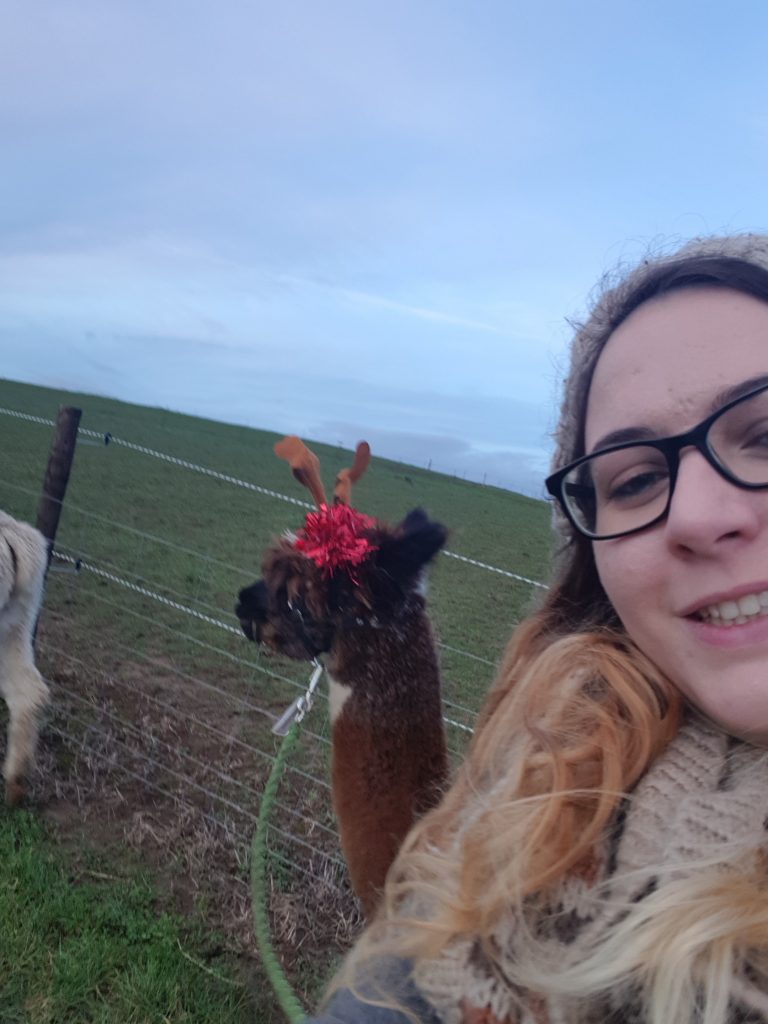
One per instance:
[(286, 997), (288, 725)]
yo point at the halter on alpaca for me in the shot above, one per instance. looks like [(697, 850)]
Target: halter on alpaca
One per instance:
[(351, 588)]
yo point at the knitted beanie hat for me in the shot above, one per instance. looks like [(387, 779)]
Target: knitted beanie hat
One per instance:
[(607, 313)]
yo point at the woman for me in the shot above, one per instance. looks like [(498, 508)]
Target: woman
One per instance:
[(602, 855)]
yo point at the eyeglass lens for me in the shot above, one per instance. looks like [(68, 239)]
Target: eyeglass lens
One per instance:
[(626, 489)]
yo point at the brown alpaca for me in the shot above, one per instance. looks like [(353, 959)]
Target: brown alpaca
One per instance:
[(362, 606)]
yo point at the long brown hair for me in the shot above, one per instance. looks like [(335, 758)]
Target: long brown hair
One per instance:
[(577, 713)]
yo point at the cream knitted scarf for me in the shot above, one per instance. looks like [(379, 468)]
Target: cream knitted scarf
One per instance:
[(707, 793)]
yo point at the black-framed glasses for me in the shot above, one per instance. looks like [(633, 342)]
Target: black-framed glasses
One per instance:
[(628, 487)]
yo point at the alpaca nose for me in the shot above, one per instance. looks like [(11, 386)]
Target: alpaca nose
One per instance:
[(247, 627), (251, 609)]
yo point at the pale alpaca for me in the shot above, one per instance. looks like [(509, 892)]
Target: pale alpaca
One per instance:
[(23, 561), (366, 615)]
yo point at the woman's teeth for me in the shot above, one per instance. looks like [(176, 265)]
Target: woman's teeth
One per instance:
[(734, 613)]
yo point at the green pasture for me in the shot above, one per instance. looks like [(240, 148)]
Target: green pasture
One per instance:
[(196, 540), (80, 944)]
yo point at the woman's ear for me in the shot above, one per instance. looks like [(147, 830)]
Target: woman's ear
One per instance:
[(413, 545)]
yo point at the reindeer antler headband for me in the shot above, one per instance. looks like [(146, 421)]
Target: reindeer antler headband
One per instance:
[(337, 535)]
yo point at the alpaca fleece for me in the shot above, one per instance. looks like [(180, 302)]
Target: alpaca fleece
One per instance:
[(23, 560)]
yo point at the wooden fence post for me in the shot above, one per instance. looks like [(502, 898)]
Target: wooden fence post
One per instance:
[(57, 473)]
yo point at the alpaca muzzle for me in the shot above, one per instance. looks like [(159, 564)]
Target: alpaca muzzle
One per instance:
[(252, 609)]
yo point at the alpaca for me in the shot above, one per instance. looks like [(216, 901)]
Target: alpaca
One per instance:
[(23, 562), (352, 590)]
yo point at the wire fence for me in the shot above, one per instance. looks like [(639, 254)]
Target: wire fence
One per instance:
[(75, 558), (249, 485), (151, 679)]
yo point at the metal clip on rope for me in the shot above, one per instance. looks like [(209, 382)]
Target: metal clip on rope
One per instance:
[(302, 704)]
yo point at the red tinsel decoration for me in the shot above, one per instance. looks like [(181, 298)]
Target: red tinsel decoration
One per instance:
[(333, 537)]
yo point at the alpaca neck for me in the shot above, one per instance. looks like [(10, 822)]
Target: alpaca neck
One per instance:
[(386, 677), (380, 659)]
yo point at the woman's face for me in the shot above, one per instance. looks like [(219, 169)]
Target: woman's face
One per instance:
[(663, 370)]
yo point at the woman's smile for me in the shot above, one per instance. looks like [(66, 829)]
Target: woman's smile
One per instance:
[(731, 630), (734, 608)]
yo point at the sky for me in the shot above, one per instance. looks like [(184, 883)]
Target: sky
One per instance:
[(351, 219)]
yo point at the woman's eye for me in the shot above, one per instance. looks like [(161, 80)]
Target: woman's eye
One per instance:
[(742, 429), (630, 484), (637, 486), (757, 440)]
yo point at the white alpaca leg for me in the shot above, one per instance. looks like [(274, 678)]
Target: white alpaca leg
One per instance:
[(7, 573), (26, 696)]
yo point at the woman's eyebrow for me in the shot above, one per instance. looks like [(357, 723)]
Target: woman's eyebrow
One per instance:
[(621, 436), (626, 434), (732, 393)]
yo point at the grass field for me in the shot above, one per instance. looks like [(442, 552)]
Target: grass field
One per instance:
[(79, 943), (159, 738)]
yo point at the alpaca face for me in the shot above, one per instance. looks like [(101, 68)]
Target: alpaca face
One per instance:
[(282, 613), (297, 609)]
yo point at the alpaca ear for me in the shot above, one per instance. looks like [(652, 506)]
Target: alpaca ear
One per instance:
[(342, 492), (414, 544), (304, 464)]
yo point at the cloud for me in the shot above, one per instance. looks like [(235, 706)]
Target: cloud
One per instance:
[(514, 467), (423, 314)]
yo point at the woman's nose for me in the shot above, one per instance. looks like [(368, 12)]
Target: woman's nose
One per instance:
[(707, 510)]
